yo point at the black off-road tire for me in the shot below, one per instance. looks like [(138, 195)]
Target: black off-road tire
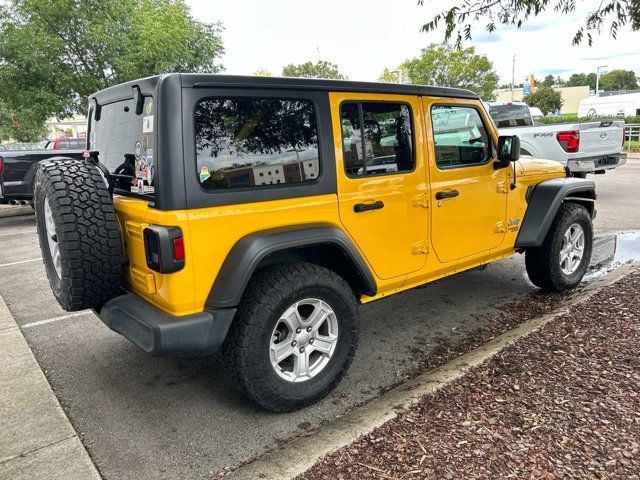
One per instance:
[(86, 231), (246, 349), (543, 263)]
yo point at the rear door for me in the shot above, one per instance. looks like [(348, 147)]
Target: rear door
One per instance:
[(468, 193), (382, 187)]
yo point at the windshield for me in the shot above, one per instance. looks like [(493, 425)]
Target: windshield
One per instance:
[(511, 115)]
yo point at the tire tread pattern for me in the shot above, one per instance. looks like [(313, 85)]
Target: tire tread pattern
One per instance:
[(87, 231)]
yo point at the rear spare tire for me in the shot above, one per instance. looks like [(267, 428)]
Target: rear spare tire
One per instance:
[(78, 233)]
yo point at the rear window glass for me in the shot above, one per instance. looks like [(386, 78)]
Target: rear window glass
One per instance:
[(511, 115), (126, 144), (255, 142)]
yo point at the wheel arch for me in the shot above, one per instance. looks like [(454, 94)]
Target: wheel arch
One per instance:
[(324, 245), (545, 199)]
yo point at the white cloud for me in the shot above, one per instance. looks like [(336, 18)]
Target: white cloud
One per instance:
[(364, 36)]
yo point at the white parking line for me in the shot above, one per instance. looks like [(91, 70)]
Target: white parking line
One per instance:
[(21, 261), (55, 319), (17, 233)]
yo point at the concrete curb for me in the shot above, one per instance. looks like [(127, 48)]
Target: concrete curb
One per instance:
[(297, 456), (37, 440), (14, 211)]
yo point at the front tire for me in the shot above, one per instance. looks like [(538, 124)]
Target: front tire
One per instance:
[(562, 260), (294, 336)]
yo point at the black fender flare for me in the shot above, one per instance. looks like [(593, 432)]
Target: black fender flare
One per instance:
[(245, 256), (544, 200)]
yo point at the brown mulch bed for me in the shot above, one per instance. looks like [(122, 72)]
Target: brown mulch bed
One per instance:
[(563, 402)]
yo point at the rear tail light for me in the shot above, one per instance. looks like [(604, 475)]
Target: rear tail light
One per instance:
[(569, 140), (178, 248), (2, 161), (164, 248)]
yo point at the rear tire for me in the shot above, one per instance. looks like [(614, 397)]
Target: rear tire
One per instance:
[(549, 266), (78, 232), (254, 337)]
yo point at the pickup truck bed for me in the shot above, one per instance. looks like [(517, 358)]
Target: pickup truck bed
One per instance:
[(585, 147), (18, 169)]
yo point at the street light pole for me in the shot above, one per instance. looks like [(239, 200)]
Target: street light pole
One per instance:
[(513, 75), (598, 79)]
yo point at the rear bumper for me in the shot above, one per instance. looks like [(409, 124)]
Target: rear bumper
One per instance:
[(161, 334), (594, 164)]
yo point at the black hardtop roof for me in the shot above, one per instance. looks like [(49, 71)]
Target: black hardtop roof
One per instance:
[(207, 80)]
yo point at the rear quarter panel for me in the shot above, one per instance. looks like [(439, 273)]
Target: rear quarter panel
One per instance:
[(209, 235)]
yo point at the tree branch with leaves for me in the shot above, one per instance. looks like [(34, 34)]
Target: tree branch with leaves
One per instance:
[(459, 16)]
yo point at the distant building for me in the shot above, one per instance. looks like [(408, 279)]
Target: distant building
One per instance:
[(272, 174), (268, 174), (571, 97), (75, 126)]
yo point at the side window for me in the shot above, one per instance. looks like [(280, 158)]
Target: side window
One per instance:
[(255, 142), (460, 137), (387, 143)]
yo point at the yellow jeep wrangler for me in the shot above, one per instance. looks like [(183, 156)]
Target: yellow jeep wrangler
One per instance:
[(252, 215)]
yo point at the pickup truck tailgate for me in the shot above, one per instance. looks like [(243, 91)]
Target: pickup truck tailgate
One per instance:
[(601, 137)]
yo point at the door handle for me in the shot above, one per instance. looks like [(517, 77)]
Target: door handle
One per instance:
[(447, 194), (364, 207)]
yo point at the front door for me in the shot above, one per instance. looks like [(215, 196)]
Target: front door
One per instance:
[(381, 179), (469, 195)]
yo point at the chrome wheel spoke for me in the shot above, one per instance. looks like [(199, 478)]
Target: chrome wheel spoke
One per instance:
[(281, 351), (317, 318), (292, 318), (301, 365), (324, 344)]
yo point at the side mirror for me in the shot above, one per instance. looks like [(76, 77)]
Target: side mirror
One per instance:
[(508, 148)]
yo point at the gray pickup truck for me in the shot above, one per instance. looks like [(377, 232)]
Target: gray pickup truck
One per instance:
[(582, 147), (18, 169)]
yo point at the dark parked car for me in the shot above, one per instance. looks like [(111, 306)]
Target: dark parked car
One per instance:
[(18, 169)]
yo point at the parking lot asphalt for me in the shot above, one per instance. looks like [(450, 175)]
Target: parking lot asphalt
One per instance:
[(148, 418)]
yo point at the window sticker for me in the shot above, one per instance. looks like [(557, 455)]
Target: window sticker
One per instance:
[(204, 173), (149, 107), (138, 150), (147, 124)]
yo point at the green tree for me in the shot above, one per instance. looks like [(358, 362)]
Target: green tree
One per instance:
[(549, 81), (582, 79), (442, 64), (321, 69), (55, 53), (389, 76), (262, 72), (459, 15), (545, 98), (619, 80)]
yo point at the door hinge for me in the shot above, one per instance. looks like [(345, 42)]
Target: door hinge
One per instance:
[(420, 248), (421, 200), (502, 187), (500, 228)]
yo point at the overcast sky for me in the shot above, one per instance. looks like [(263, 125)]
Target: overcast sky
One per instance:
[(364, 36)]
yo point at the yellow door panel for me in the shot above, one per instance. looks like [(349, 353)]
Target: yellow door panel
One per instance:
[(382, 210), (469, 195)]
